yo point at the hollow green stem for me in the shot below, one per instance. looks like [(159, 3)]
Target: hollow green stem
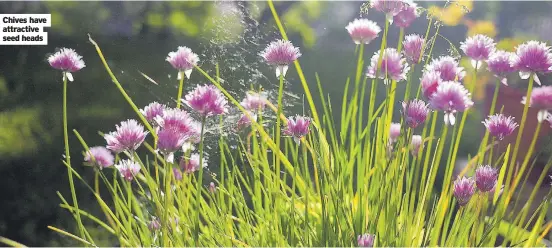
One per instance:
[(180, 89), (199, 182)]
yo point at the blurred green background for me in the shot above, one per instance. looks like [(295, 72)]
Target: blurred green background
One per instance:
[(136, 37)]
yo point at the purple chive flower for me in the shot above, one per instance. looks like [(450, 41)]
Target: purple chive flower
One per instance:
[(152, 111), (154, 224), (451, 97), (500, 126), (212, 187), (390, 7), (541, 98), (170, 140), (393, 66), (207, 100), (532, 57), (478, 48), (413, 44), (448, 68), (415, 112), (406, 16), (297, 127), (499, 64), (177, 174), (129, 136), (191, 164), (244, 121), (394, 132), (66, 60), (178, 119), (485, 178), (280, 54), (99, 156), (128, 169), (430, 81), (464, 188), (183, 60), (416, 145), (254, 101), (366, 240), (363, 31)]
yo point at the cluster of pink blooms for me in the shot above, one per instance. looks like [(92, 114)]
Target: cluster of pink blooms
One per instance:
[(366, 240), (184, 60), (392, 65), (253, 103), (99, 156), (541, 99), (485, 180), (280, 54), (297, 127), (66, 60), (500, 125)]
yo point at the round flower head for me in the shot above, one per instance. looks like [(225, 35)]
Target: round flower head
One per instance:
[(407, 15), (254, 101), (451, 97), (129, 136), (244, 121), (152, 111), (415, 112), (66, 60), (464, 188), (413, 44), (183, 60), (478, 48), (390, 7), (499, 64), (394, 131), (280, 54), (170, 140), (393, 66), (191, 165), (207, 100), (532, 57), (297, 127), (541, 98), (173, 118), (416, 144), (485, 178), (429, 83), (99, 156), (128, 169), (366, 240), (363, 31), (448, 68), (500, 126)]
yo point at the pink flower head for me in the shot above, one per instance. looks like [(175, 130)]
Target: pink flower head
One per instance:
[(415, 112), (500, 126), (363, 31), (66, 60), (173, 118), (207, 100), (244, 121), (170, 140), (280, 54), (478, 48), (154, 224), (129, 136), (297, 127), (191, 165), (451, 97), (390, 7), (429, 82), (254, 101), (212, 187), (499, 64), (183, 60), (541, 98), (393, 66), (413, 44), (177, 174), (464, 188), (532, 57), (128, 169), (99, 156), (152, 111), (448, 68), (394, 131), (406, 16), (485, 178), (366, 240), (416, 144)]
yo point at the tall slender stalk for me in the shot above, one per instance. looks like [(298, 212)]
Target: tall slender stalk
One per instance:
[(180, 89), (199, 182), (278, 127)]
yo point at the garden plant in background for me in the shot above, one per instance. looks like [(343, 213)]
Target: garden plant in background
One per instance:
[(303, 180)]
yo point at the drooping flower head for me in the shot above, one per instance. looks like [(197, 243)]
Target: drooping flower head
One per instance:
[(207, 100), (448, 68), (429, 82), (280, 54), (390, 7), (485, 178), (170, 140), (415, 112), (541, 99), (366, 240), (413, 44), (500, 125), (183, 60), (532, 57), (128, 137), (393, 66), (394, 132), (478, 48), (363, 31), (499, 64), (99, 156), (297, 127), (450, 97), (191, 164), (152, 111), (66, 60), (128, 169), (464, 188), (254, 101), (406, 16), (416, 145)]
